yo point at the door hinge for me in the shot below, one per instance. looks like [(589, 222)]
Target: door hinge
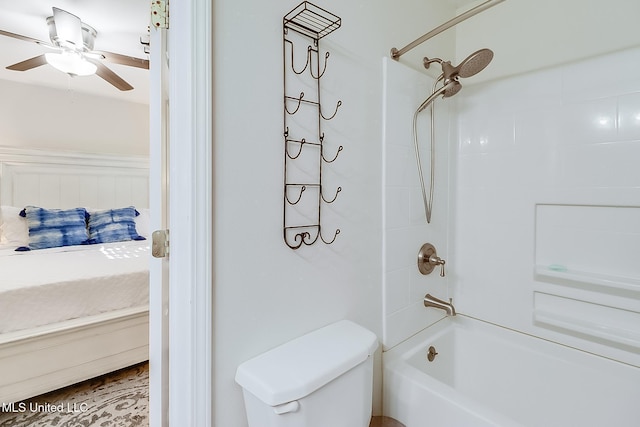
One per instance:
[(160, 13), (160, 243)]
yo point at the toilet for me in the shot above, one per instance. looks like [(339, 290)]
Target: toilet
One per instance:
[(324, 378)]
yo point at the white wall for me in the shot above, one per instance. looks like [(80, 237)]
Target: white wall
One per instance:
[(547, 213), (267, 294), (37, 117)]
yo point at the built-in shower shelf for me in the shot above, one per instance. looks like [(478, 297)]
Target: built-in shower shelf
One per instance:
[(583, 327), (607, 281), (589, 315)]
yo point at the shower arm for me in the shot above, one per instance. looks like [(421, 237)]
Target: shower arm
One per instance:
[(396, 54)]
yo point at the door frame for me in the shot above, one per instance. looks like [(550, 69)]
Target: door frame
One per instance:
[(190, 214)]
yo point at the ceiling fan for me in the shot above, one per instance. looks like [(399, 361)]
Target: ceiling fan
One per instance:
[(72, 43)]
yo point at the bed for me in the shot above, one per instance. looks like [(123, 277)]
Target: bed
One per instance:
[(70, 313)]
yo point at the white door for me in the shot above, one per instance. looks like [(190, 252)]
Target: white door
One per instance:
[(159, 203), (181, 290)]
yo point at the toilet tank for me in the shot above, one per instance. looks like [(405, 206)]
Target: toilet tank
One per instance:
[(321, 379)]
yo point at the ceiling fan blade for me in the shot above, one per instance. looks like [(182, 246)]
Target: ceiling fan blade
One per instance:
[(111, 77), (68, 28), (130, 61), (34, 62), (25, 38)]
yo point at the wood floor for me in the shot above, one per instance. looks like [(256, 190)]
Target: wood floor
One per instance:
[(385, 422)]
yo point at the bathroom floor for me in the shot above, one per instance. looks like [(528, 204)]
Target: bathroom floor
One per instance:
[(385, 422)]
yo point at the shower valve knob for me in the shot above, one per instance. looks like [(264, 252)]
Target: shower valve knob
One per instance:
[(428, 259), (436, 260)]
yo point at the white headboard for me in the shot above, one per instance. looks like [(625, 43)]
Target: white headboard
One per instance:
[(64, 180)]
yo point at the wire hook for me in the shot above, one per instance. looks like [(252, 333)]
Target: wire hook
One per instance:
[(308, 61), (304, 187), (334, 158), (334, 237), (299, 99), (326, 57), (334, 197), (334, 113), (301, 142)]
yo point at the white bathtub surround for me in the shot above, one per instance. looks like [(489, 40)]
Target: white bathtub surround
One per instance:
[(405, 228), (486, 375), (547, 191)]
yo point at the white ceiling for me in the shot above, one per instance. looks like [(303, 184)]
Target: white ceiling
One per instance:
[(119, 24)]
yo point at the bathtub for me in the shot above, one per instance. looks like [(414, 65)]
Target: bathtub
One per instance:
[(486, 375)]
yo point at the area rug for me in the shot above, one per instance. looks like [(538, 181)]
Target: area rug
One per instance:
[(118, 399)]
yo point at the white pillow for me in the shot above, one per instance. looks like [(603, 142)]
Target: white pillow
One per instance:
[(15, 230), (142, 223)]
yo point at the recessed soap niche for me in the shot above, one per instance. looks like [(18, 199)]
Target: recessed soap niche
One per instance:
[(597, 243), (587, 270)]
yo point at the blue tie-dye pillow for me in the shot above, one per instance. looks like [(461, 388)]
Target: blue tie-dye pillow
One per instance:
[(51, 228), (113, 225)]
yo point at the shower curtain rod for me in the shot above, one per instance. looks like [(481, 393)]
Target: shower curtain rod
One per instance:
[(396, 54)]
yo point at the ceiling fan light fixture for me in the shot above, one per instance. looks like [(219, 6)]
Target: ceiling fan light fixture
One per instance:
[(71, 63), (69, 39), (74, 41)]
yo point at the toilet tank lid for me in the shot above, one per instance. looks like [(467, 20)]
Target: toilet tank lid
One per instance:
[(300, 367)]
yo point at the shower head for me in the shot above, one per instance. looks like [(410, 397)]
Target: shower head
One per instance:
[(451, 88), (471, 66), (475, 63)]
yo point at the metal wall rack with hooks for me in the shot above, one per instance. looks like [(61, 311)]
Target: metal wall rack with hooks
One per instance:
[(304, 148)]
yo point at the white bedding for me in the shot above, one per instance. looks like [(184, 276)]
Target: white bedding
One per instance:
[(47, 286)]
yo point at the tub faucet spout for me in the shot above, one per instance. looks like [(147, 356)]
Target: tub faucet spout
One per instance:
[(431, 301)]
